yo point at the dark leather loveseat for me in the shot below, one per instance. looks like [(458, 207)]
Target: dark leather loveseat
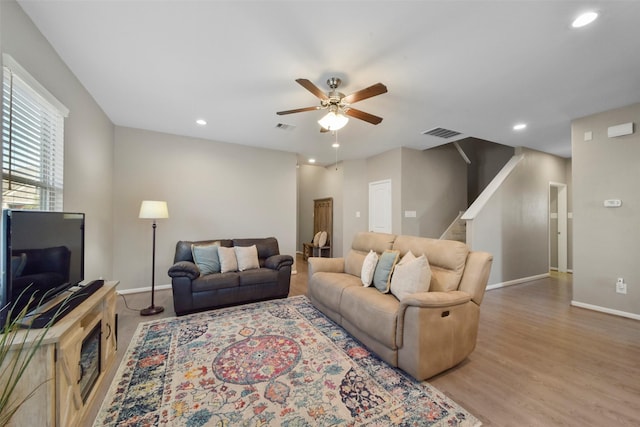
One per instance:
[(40, 269), (194, 292)]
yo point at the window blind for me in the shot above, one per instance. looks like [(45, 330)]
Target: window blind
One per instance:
[(32, 145)]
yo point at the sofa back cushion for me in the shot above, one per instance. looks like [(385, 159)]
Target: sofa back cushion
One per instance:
[(363, 242), (447, 259)]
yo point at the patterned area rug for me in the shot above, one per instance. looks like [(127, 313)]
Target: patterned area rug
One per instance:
[(275, 363)]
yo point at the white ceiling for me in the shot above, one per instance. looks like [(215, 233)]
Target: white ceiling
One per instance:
[(477, 67)]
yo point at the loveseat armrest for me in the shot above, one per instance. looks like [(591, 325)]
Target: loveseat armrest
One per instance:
[(276, 262), (329, 265), (184, 269)]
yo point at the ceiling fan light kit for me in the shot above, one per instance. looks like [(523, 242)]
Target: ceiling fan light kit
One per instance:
[(338, 104), (333, 121)]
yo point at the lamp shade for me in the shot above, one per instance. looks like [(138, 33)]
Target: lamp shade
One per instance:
[(153, 209), (333, 121)]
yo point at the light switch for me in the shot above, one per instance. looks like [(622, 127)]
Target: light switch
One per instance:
[(612, 203)]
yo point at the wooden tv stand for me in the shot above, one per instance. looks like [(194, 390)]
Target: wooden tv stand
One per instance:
[(56, 368)]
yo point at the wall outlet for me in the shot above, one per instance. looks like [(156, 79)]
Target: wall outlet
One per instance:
[(621, 287)]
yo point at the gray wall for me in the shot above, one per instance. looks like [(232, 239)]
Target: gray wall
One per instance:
[(213, 190), (431, 182), (88, 156), (434, 185), (514, 224), (607, 240)]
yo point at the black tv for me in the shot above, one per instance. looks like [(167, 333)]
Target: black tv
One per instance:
[(42, 255)]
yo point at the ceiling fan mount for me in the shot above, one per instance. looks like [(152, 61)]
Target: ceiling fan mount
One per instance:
[(337, 103)]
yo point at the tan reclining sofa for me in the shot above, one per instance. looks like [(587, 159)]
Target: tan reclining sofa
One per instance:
[(423, 334)]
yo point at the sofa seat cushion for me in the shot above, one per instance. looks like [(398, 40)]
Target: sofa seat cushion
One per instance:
[(372, 312), (258, 276), (327, 287), (215, 281)]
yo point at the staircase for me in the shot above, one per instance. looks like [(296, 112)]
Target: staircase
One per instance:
[(457, 230)]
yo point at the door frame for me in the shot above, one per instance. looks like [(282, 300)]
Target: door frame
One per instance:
[(563, 242)]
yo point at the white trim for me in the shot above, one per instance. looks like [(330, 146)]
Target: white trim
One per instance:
[(10, 63), (605, 310), (517, 281), (493, 186), (145, 289)]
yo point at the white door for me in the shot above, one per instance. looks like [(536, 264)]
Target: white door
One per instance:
[(380, 206)]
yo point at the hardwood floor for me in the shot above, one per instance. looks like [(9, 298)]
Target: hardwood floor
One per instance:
[(538, 361)]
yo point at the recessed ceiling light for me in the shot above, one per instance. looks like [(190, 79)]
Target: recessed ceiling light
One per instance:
[(584, 19), (312, 160), (201, 122), (335, 145), (520, 126)]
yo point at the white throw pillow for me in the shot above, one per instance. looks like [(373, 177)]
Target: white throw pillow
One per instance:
[(368, 268), (411, 276), (323, 239), (228, 260), (247, 257), (316, 239)]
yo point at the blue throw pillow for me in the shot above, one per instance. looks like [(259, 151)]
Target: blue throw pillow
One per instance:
[(382, 275), (206, 258)]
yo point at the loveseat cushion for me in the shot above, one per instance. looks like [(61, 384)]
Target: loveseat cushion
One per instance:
[(183, 248), (215, 281), (372, 312), (257, 276), (267, 247)]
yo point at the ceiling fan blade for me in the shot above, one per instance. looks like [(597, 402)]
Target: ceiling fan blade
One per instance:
[(374, 120), (297, 110), (376, 89), (313, 89)]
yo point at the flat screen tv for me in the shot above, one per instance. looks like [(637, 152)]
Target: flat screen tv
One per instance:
[(42, 253)]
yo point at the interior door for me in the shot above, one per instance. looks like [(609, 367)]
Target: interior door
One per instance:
[(380, 206)]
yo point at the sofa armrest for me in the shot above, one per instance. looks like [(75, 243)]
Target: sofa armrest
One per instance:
[(434, 299), (184, 269), (427, 300), (276, 262), (330, 265)]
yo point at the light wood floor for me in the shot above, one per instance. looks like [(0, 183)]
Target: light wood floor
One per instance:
[(538, 361)]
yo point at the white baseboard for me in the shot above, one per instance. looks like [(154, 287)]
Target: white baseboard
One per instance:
[(145, 289), (517, 281), (605, 310)]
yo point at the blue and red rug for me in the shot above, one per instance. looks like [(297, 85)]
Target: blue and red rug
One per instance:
[(275, 363)]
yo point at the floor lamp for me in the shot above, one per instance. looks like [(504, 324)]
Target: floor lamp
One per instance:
[(151, 209)]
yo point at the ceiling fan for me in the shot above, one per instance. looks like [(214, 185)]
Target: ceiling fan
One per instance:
[(338, 104)]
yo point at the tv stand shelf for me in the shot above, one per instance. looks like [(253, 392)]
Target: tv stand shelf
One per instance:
[(56, 370)]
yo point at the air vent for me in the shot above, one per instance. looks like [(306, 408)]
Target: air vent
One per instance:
[(441, 133), (285, 126)]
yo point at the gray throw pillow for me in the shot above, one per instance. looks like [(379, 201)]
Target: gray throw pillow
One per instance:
[(382, 275), (206, 258)]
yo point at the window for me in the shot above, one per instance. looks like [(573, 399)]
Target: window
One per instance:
[(32, 142)]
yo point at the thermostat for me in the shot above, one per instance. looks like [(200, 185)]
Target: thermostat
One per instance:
[(612, 203)]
